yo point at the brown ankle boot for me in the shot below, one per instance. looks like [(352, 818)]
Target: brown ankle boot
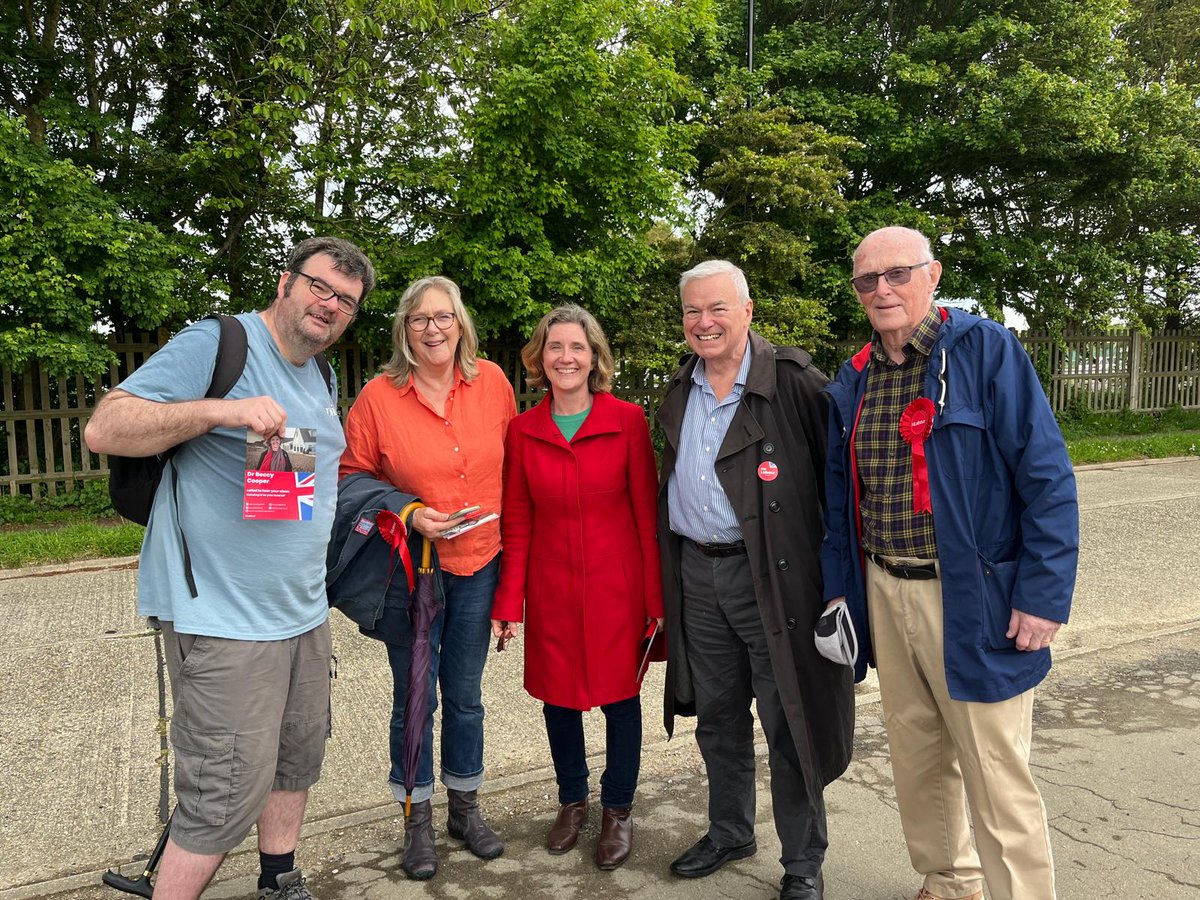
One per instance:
[(420, 857), (466, 824), (616, 838), (565, 831)]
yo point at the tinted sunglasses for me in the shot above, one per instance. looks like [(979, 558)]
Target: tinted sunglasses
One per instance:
[(864, 284)]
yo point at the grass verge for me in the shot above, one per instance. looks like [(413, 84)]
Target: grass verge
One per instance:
[(1126, 447), (81, 540), (1094, 437), (1084, 424)]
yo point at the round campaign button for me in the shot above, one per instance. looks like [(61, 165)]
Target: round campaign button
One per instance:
[(768, 471)]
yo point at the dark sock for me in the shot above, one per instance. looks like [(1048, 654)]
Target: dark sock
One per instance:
[(273, 864)]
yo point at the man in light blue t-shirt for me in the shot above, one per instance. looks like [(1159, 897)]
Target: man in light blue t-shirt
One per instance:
[(248, 647)]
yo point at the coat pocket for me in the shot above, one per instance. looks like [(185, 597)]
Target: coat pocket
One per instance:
[(999, 580), (962, 431)]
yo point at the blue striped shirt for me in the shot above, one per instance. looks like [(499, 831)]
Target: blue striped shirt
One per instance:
[(696, 502)]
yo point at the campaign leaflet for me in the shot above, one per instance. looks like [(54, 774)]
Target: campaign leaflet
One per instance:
[(469, 523), (281, 474)]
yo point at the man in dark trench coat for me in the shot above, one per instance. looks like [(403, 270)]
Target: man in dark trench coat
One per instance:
[(740, 527)]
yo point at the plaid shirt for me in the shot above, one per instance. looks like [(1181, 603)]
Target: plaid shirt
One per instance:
[(884, 458)]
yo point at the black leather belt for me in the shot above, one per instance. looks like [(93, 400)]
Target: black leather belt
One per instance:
[(737, 548), (924, 572)]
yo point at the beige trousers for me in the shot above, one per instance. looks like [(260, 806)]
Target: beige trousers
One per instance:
[(946, 753)]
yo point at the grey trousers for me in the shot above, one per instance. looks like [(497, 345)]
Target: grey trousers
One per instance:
[(730, 662)]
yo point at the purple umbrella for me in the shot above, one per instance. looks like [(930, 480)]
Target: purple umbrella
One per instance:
[(422, 612)]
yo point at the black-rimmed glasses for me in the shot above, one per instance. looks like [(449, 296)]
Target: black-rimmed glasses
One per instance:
[(897, 276), (322, 291), (420, 322)]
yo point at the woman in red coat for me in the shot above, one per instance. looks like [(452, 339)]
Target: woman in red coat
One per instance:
[(580, 566)]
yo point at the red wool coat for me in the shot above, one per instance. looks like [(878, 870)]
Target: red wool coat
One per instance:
[(580, 561)]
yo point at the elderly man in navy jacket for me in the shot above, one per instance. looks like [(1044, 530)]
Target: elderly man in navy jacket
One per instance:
[(953, 538)]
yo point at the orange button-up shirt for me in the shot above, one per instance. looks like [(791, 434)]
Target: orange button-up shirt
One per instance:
[(450, 461)]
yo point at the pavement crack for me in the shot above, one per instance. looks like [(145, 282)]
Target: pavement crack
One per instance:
[(1158, 802), (765, 882), (1115, 804), (1108, 851), (1165, 834), (1175, 879), (1139, 501)]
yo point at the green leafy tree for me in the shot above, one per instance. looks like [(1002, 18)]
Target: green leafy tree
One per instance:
[(771, 183), (648, 331), (762, 184), (1020, 133), (72, 261), (573, 151), (1163, 37), (524, 148), (244, 125)]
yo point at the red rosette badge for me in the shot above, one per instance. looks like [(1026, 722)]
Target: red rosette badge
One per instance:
[(916, 424), (392, 530)]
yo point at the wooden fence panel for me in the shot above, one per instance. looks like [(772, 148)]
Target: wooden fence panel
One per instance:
[(1092, 369), (43, 417), (31, 450), (41, 427), (9, 461), (1170, 372), (509, 361), (355, 366)]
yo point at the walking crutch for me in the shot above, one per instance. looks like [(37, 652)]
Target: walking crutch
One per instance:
[(140, 885)]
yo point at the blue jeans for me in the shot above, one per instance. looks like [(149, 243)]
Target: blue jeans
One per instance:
[(459, 642), (622, 748)]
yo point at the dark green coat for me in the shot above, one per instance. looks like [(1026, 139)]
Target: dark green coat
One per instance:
[(781, 418)]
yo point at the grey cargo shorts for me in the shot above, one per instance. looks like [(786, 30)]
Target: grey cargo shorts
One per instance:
[(249, 717)]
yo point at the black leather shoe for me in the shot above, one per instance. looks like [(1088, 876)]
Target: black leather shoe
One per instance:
[(801, 887), (706, 857)]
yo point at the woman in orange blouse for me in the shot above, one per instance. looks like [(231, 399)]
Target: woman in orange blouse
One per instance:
[(433, 424)]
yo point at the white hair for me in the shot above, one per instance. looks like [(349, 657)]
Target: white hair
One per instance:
[(711, 267)]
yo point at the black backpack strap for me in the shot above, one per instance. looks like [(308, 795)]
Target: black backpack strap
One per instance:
[(231, 356), (326, 371), (187, 554)]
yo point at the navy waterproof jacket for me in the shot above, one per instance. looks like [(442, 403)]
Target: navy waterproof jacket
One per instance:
[(362, 572), (1005, 509)]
